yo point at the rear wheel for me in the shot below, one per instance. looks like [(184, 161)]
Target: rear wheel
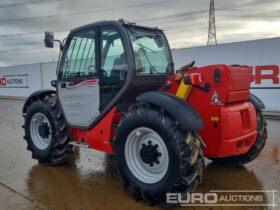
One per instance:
[(155, 156), (254, 151), (46, 132)]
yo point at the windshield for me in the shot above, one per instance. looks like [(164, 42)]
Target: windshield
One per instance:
[(151, 52)]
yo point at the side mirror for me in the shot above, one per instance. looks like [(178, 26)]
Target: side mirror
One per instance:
[(49, 39)]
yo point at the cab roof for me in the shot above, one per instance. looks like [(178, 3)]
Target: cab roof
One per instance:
[(112, 22)]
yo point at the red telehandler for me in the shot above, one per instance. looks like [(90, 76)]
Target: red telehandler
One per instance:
[(116, 92)]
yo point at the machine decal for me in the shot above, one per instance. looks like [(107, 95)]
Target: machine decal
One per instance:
[(216, 100), (86, 82)]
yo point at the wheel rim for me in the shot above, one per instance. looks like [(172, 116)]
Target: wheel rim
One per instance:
[(40, 131), (146, 155)]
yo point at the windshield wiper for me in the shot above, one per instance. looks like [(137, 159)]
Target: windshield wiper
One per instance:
[(152, 67), (140, 45)]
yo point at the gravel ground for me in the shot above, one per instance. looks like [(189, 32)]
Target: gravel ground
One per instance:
[(90, 179)]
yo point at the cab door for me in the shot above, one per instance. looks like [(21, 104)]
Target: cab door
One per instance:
[(78, 82), (113, 64)]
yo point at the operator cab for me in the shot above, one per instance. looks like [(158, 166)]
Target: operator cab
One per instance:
[(107, 64)]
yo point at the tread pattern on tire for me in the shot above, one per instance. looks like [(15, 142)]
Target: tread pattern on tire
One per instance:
[(254, 151), (189, 148), (60, 148)]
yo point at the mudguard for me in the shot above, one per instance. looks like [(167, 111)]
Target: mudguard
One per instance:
[(183, 112), (258, 104), (38, 94)]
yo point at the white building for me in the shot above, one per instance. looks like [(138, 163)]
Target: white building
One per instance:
[(263, 55)]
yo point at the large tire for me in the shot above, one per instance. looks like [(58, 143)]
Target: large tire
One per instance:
[(184, 163), (49, 144), (253, 152)]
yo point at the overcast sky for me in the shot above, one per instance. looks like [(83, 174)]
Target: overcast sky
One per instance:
[(23, 22)]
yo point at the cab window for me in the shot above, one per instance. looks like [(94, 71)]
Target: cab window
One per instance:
[(80, 58), (151, 52), (113, 59)]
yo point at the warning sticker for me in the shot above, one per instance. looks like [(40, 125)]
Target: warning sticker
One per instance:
[(216, 100)]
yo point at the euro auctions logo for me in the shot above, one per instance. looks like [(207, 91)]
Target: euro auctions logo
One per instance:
[(249, 198), (14, 81)]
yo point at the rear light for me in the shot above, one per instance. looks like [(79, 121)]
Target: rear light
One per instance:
[(244, 143), (192, 79)]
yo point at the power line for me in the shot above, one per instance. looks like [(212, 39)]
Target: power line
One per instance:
[(20, 4), (168, 17), (20, 35), (178, 31), (178, 16), (34, 51), (255, 15), (85, 12), (181, 16), (126, 7), (132, 6)]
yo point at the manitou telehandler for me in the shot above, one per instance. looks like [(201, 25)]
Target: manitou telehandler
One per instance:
[(117, 92)]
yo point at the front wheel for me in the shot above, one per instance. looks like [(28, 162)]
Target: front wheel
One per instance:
[(155, 156), (46, 132)]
